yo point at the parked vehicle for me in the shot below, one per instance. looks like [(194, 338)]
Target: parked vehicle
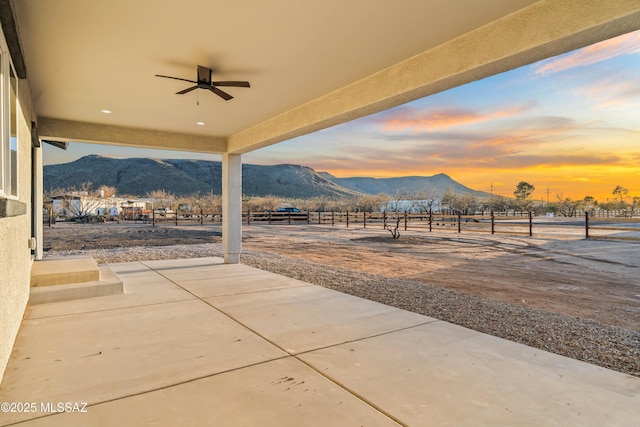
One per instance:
[(162, 211), (135, 213), (283, 213)]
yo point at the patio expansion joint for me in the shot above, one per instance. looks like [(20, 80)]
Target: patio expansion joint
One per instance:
[(102, 310), (152, 390), (368, 337), (284, 288), (295, 355)]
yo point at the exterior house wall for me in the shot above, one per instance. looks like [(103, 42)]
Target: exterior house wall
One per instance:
[(15, 232)]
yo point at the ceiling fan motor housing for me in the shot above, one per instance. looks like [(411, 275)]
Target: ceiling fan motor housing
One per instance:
[(204, 77)]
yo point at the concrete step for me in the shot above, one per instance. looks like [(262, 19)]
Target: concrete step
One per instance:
[(63, 271), (108, 284)]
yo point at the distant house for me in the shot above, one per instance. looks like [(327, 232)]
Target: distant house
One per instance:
[(66, 205), (79, 203)]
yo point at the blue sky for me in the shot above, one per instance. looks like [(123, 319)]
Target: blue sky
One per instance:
[(569, 123)]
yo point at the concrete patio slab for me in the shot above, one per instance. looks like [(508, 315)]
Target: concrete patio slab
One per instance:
[(104, 355), (299, 355), (445, 375), (274, 394), (305, 318), (230, 281)]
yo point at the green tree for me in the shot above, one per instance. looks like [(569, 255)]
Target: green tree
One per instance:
[(620, 192), (589, 202), (522, 193)]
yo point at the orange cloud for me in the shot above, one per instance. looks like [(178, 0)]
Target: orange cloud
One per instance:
[(444, 118), (627, 44)]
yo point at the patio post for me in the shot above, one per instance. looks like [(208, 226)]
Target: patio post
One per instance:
[(37, 205), (231, 207)]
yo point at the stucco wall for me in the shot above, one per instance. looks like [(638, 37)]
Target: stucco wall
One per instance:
[(15, 255)]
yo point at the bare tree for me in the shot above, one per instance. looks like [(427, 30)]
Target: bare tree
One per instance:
[(81, 201), (211, 202), (468, 204), (393, 208), (635, 204), (106, 191), (499, 204), (568, 207), (370, 203), (265, 203), (161, 199), (424, 202)]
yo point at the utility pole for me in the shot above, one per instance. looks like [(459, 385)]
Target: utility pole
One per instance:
[(491, 198), (547, 194)]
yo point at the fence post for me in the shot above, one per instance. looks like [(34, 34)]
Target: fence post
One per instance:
[(493, 222), (332, 218), (430, 219), (459, 222), (201, 217), (289, 221), (176, 216), (405, 220), (586, 225), (530, 224), (364, 219), (248, 216), (347, 218), (384, 219), (153, 217), (319, 219)]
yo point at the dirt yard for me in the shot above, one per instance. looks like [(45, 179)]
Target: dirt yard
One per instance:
[(591, 279)]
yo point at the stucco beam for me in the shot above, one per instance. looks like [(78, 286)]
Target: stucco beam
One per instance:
[(68, 130), (545, 29)]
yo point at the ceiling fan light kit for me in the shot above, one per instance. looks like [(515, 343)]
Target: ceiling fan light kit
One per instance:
[(204, 82)]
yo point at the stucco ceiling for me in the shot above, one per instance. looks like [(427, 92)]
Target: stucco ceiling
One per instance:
[(86, 56)]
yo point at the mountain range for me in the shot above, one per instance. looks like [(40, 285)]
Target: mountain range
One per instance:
[(140, 176)]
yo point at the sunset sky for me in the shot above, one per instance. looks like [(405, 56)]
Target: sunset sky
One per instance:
[(569, 124)]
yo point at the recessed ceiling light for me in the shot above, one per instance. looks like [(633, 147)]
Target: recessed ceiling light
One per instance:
[(106, 111), (200, 123)]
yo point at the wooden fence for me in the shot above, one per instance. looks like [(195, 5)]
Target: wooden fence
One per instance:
[(590, 225)]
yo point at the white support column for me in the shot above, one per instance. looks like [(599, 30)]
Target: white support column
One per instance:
[(231, 207), (37, 188)]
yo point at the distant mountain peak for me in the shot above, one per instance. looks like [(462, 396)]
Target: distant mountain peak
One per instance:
[(183, 177)]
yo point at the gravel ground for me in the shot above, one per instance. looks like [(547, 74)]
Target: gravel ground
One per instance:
[(589, 341)]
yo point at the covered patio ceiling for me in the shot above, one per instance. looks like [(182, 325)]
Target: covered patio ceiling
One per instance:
[(311, 64)]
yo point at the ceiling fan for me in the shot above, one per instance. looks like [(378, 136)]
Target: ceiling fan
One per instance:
[(204, 82)]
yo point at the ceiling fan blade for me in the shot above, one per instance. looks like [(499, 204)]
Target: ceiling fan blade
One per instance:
[(232, 83), (189, 89), (221, 94), (175, 78)]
